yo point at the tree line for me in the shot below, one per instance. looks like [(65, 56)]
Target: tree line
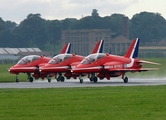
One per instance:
[(35, 31)]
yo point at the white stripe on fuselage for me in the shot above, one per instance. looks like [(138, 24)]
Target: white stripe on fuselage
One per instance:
[(131, 63)]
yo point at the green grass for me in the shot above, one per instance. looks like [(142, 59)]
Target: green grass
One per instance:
[(6, 76), (116, 103)]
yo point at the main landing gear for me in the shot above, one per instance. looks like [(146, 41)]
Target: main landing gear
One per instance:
[(93, 78), (81, 80), (30, 77), (49, 79), (60, 78), (125, 80)]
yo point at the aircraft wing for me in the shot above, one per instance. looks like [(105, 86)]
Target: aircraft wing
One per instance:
[(148, 69), (148, 62), (133, 69)]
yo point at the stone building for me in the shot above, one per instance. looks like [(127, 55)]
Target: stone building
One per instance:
[(84, 41), (120, 45)]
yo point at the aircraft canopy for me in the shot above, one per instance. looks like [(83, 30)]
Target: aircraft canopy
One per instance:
[(92, 57), (28, 59), (59, 58)]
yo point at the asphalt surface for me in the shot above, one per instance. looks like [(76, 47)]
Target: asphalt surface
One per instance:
[(86, 83)]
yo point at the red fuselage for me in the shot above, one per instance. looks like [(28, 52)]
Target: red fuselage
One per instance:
[(61, 64), (29, 64), (106, 64)]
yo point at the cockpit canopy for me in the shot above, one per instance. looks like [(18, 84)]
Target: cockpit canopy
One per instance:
[(59, 58), (93, 57), (28, 59)]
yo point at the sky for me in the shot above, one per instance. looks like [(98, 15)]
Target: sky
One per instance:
[(18, 10)]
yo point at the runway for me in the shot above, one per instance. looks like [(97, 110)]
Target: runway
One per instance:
[(86, 83)]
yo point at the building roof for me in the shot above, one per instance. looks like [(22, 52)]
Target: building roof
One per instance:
[(121, 39), (34, 53), (15, 51)]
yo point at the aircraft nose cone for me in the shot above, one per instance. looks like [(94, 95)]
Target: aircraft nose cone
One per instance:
[(11, 69)]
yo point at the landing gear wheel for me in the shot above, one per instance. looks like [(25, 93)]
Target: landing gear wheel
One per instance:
[(62, 79), (81, 80), (58, 79), (30, 79), (95, 79), (49, 79), (91, 79), (126, 80), (17, 80)]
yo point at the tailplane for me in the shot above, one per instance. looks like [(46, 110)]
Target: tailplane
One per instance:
[(133, 50), (66, 49), (99, 47)]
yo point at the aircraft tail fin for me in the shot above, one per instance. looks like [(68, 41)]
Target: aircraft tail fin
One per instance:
[(133, 50), (99, 47), (66, 49)]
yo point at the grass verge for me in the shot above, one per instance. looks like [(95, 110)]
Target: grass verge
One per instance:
[(116, 103), (6, 76)]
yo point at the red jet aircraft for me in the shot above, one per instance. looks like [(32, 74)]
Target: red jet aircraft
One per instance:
[(63, 63), (31, 64), (108, 65)]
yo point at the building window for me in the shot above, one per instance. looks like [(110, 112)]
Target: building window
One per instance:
[(106, 39), (87, 39), (123, 47), (113, 48), (106, 48), (118, 48)]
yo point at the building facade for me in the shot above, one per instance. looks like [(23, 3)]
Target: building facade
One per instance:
[(120, 45), (84, 41)]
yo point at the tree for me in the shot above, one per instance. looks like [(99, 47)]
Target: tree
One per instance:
[(94, 13), (31, 32), (115, 23), (6, 33), (54, 28), (149, 26), (68, 23)]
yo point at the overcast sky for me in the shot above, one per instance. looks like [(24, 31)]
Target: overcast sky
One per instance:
[(17, 10)]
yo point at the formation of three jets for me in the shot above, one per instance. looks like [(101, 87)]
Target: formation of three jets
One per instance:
[(96, 65)]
